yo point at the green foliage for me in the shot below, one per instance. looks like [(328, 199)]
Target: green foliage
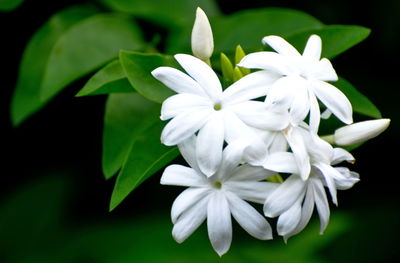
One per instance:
[(247, 28), (109, 79), (138, 68), (26, 98), (335, 38), (9, 5), (170, 13), (147, 155), (125, 115), (87, 46)]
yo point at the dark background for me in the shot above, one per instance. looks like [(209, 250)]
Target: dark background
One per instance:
[(66, 135)]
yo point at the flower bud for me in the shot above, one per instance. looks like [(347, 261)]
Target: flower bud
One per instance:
[(360, 131), (202, 37)]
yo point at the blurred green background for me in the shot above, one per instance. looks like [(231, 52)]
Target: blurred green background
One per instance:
[(54, 200)]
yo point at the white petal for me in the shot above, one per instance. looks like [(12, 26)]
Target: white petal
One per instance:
[(334, 100), (247, 172), (288, 221), (235, 128), (279, 143), (209, 145), (323, 70), (300, 105), (188, 151), (269, 61), (315, 113), (256, 114), (284, 196), (282, 93), (219, 223), (183, 176), (321, 203), (232, 157), (340, 155), (299, 150), (249, 87), (202, 37), (248, 218), (183, 102), (348, 180), (360, 131), (203, 74), (329, 174), (281, 162), (306, 212), (190, 220), (186, 200), (177, 81), (183, 126), (252, 191), (280, 45), (313, 48)]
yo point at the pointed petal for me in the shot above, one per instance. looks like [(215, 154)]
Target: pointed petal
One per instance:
[(313, 48), (186, 200), (279, 143), (183, 126), (269, 61), (334, 100), (348, 180), (249, 87), (187, 149), (184, 102), (248, 218), (203, 74), (300, 105), (324, 71), (177, 81), (252, 191), (209, 145), (306, 212), (281, 162), (282, 93), (219, 223), (321, 203), (183, 176), (329, 174), (280, 45), (235, 128), (247, 172), (256, 114), (284, 196), (232, 157), (299, 150), (340, 155), (288, 221), (190, 220)]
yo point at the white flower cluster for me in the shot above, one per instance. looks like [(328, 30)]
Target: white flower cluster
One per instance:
[(234, 140)]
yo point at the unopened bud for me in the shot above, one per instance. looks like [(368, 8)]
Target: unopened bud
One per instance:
[(202, 37), (360, 131)]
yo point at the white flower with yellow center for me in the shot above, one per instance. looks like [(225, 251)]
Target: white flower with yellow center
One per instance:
[(218, 197), (303, 80), (202, 106)]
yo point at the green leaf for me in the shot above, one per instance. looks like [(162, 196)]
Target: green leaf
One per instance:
[(147, 155), (247, 28), (109, 79), (26, 97), (125, 115), (335, 38), (9, 5), (167, 13), (138, 68), (86, 47), (361, 104)]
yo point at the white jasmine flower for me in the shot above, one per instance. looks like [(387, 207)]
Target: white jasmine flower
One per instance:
[(303, 80), (294, 200), (218, 197), (360, 131), (201, 106), (202, 36)]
